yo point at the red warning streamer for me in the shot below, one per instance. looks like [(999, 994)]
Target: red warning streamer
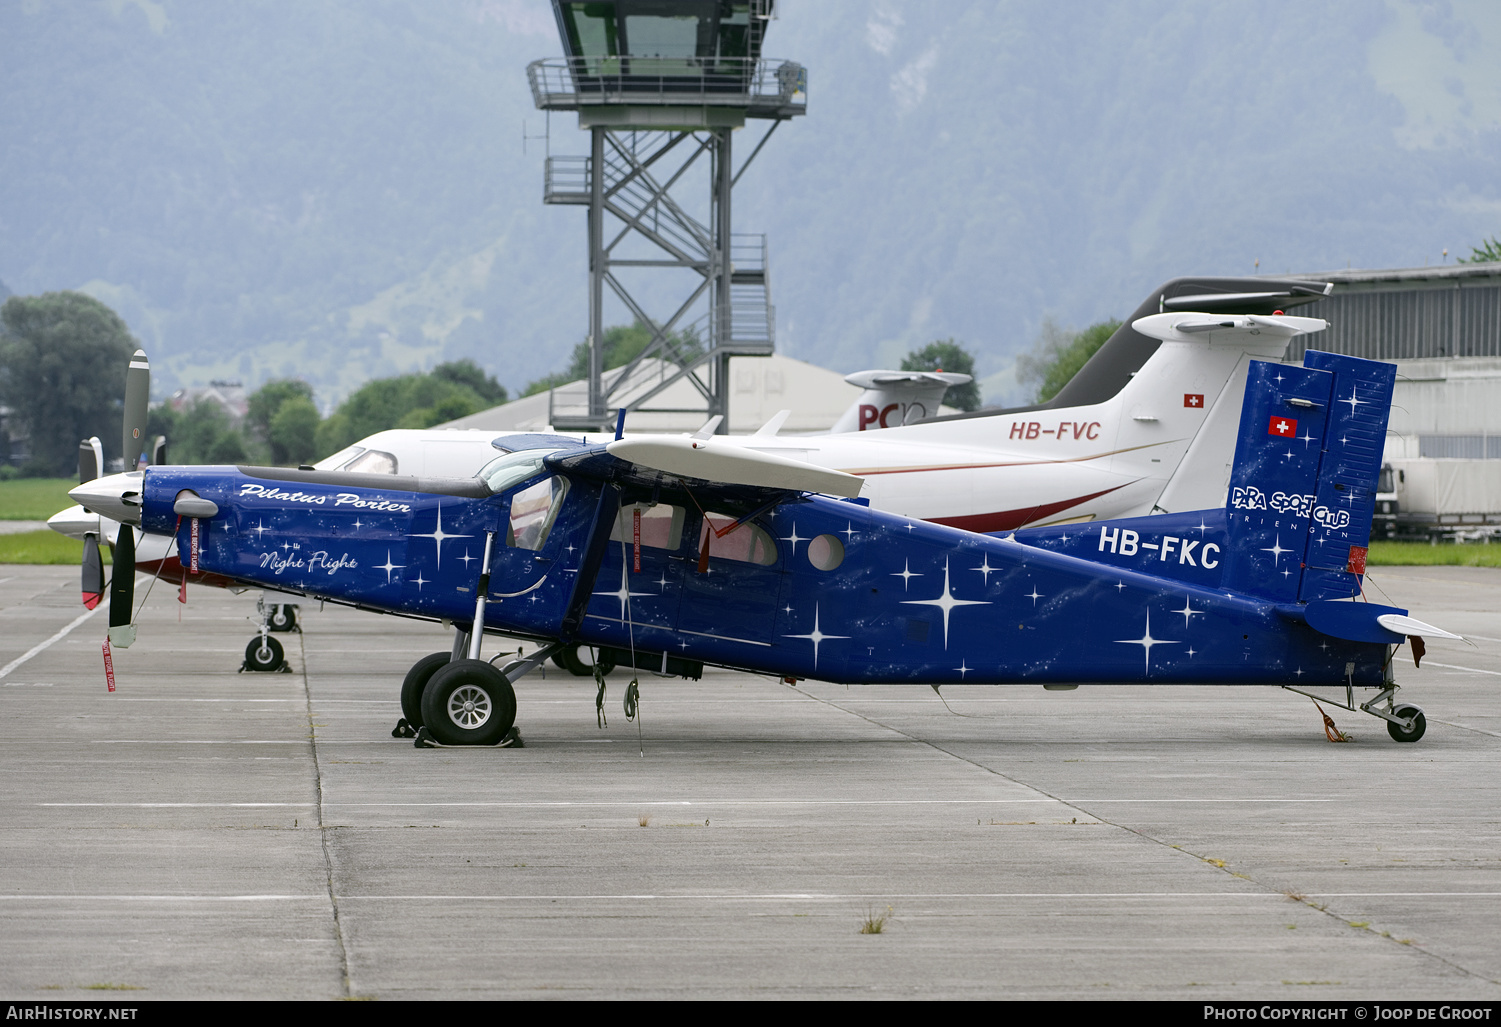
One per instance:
[(636, 567), (109, 667)]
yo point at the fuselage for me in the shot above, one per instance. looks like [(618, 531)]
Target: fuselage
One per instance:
[(808, 587)]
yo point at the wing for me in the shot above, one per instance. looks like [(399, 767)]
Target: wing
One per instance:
[(649, 460)]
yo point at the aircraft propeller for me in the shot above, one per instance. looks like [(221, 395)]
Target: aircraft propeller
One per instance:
[(137, 396), (122, 588), (90, 463)]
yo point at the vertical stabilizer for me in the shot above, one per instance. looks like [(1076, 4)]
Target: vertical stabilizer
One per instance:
[(1274, 478), (1303, 486), (1345, 503)]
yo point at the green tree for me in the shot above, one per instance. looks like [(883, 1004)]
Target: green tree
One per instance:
[(621, 345), (1488, 250), (467, 372), (405, 401), (200, 433), (264, 403), (947, 355), (1058, 354), (293, 433), (63, 357)]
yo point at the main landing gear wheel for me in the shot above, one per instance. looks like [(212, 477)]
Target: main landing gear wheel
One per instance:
[(283, 618), (264, 655), (579, 661), (1412, 734), (412, 688), (468, 702)]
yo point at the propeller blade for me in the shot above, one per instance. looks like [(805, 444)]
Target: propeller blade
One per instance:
[(93, 572), (122, 589), (137, 395), (90, 459)]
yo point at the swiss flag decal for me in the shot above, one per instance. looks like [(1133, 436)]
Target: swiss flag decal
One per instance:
[(1194, 399), (1284, 426)]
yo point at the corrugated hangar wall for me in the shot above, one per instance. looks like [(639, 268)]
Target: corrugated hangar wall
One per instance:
[(1441, 326), (1418, 314)]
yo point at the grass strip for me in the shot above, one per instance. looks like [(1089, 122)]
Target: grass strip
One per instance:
[(44, 547), (34, 499)]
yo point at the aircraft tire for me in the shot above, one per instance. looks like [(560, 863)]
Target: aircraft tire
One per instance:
[(575, 659), (1419, 724), (267, 658), (413, 685), (469, 702), (283, 618)]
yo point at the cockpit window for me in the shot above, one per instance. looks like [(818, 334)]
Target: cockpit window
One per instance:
[(505, 471), (533, 511), (372, 461)]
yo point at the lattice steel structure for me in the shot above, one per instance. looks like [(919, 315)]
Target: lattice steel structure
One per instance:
[(660, 85)]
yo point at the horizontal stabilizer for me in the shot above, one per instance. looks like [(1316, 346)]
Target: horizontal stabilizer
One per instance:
[(708, 460), (1404, 625), (1187, 327), (1354, 622)]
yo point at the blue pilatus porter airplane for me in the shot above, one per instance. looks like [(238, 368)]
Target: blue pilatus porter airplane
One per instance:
[(673, 552)]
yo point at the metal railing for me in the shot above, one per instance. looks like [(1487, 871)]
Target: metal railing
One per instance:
[(766, 88)]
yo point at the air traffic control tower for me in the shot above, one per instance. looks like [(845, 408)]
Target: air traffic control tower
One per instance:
[(661, 85)]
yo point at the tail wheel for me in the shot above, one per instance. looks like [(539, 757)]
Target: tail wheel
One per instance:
[(264, 655), (283, 618), (578, 660), (468, 702), (1412, 734), (415, 683)]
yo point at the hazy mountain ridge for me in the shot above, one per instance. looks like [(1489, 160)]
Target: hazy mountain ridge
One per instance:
[(339, 190)]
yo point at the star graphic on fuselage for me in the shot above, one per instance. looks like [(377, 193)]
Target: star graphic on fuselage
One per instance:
[(438, 535), (1188, 611), (1277, 551), (815, 636), (906, 574), (1146, 641), (794, 538), (624, 593), (946, 602), (985, 569), (388, 566)]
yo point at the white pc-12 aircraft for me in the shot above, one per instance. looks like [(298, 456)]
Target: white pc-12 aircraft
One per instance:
[(1146, 426)]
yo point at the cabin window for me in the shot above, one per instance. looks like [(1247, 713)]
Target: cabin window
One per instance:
[(826, 552), (505, 471), (339, 459), (661, 525), (372, 461), (745, 543), (533, 512)]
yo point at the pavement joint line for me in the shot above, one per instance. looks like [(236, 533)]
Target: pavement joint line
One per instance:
[(575, 804), (707, 897), (712, 897), (1471, 670), (328, 860), (1467, 727), (41, 646)]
